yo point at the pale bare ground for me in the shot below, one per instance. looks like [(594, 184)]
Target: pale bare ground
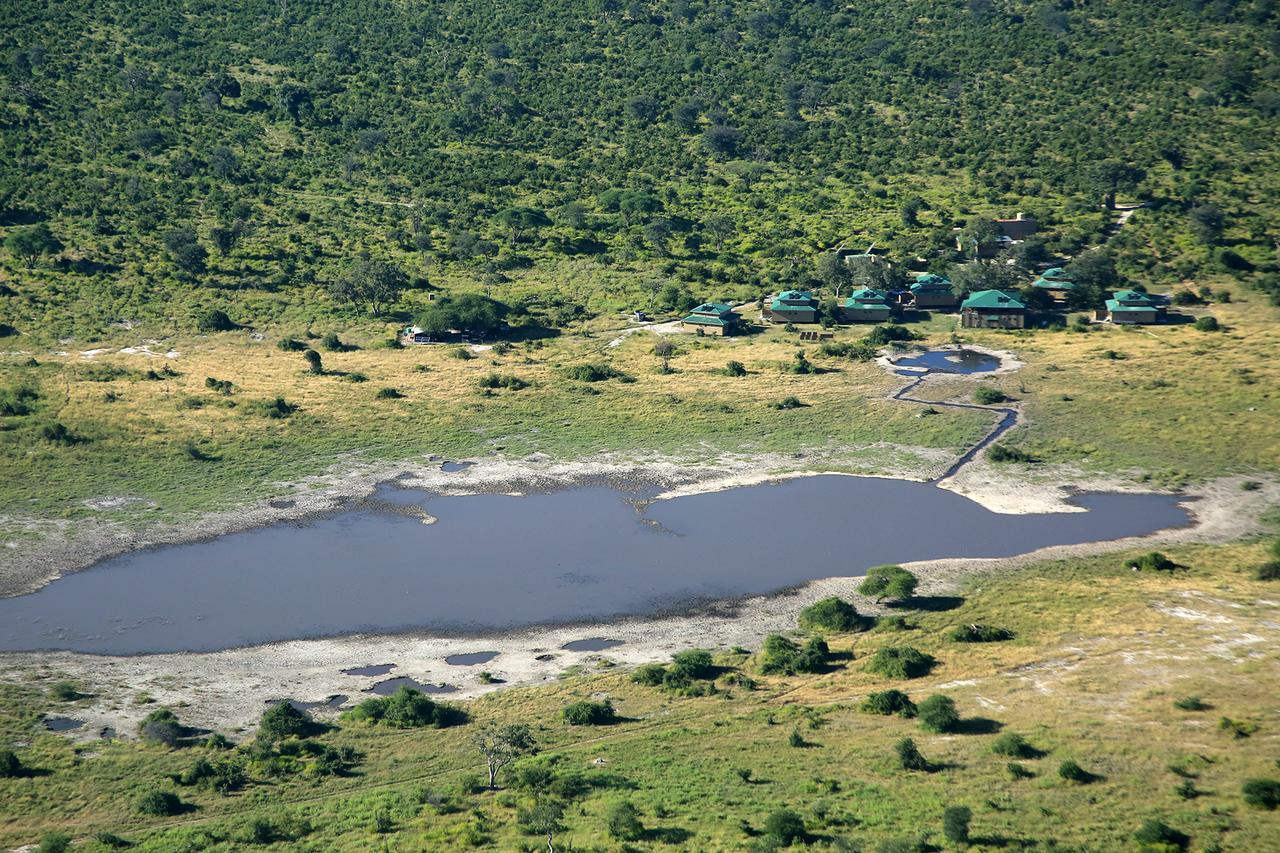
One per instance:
[(228, 690)]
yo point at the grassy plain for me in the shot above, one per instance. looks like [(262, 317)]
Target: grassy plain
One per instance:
[(1100, 655)]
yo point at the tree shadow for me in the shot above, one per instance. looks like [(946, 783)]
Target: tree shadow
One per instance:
[(667, 835), (978, 726), (930, 603), (1001, 841)]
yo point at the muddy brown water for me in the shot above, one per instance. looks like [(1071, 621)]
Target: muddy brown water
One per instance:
[(497, 562)]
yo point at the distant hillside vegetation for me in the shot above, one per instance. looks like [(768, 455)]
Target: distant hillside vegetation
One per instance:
[(575, 157)]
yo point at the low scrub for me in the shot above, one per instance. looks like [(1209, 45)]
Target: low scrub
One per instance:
[(979, 633), (833, 614), (938, 714), (276, 409), (987, 396), (406, 709), (159, 804), (588, 713), (592, 373), (1013, 745), (1005, 453), (494, 381), (1152, 562), (900, 662), (1262, 793), (887, 702), (784, 657)]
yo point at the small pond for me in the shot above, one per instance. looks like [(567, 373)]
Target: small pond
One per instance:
[(498, 562), (370, 671), (592, 644), (62, 724), (391, 685), (470, 658), (962, 361)]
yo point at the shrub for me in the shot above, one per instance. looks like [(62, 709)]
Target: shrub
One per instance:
[(276, 409), (1005, 453), (782, 656), (785, 827), (222, 386), (789, 402), (624, 822), (938, 713), (735, 368), (1269, 571), (65, 691), (987, 396), (1017, 771), (57, 433), (407, 709), (1073, 772), (795, 739), (291, 345), (695, 663), (888, 582), (499, 380), (1191, 703), (388, 394), (283, 720), (1239, 729), (909, 757), (650, 675), (461, 353), (1014, 745), (888, 702), (588, 713), (1262, 793), (1156, 836), (591, 372), (16, 402), (978, 633), (1153, 562), (1207, 323), (10, 766), (832, 614), (221, 776), (900, 662), (882, 335), (53, 842), (955, 824), (161, 726), (159, 803), (214, 320), (332, 343), (314, 363), (860, 351)]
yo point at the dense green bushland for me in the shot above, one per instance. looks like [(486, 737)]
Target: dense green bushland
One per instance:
[(281, 161)]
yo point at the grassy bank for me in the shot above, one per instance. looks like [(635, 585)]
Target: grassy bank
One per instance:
[(1099, 656)]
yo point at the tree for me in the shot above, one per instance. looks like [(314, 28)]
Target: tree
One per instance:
[(282, 720), (294, 100), (10, 766), (978, 233), (1207, 223), (1110, 176), (643, 109), (314, 363), (368, 281), (624, 822), (31, 244), (544, 818), (502, 745), (720, 228), (784, 827), (978, 275), (955, 824), (721, 140), (910, 211), (909, 757), (938, 713), (1094, 275), (888, 582), (473, 313), (832, 614), (518, 220), (834, 272), (185, 249), (657, 233), (664, 350)]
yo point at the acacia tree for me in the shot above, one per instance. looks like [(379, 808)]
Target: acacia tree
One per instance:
[(31, 244), (367, 281), (502, 745), (544, 818)]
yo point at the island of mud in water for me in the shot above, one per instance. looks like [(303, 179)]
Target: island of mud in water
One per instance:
[(497, 562)]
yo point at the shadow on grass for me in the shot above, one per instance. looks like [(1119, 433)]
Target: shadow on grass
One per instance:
[(978, 726), (930, 603), (667, 835)]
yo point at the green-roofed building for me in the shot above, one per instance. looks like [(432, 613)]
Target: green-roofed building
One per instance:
[(1132, 308), (711, 318), (933, 291), (1055, 282), (793, 306), (866, 305), (993, 309)]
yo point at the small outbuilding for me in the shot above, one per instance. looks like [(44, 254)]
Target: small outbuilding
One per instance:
[(866, 305), (993, 309), (1055, 282), (711, 318), (933, 291), (793, 306), (1133, 308)]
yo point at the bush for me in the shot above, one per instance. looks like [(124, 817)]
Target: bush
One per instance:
[(888, 582), (785, 827), (10, 766), (1262, 793), (987, 396), (1017, 771), (159, 804), (882, 335), (909, 757), (407, 709), (588, 713), (16, 402), (900, 662), (650, 675), (221, 386), (283, 720), (591, 372), (1073, 772), (1207, 323), (789, 402), (832, 614), (65, 691), (1005, 453), (53, 842), (978, 633), (291, 345), (888, 702), (276, 409), (1153, 562), (1156, 836), (624, 822), (1014, 745), (332, 343), (955, 824), (388, 394), (499, 380), (695, 663), (221, 776), (214, 320), (938, 714), (1191, 703), (1269, 571), (783, 657), (735, 368), (314, 362), (161, 726)]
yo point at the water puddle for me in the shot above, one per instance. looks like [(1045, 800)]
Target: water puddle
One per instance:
[(391, 685), (961, 361), (592, 644), (332, 703), (470, 658), (453, 467), (62, 724), (497, 562), (369, 671)]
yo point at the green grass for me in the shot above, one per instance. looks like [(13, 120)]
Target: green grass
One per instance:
[(1068, 683)]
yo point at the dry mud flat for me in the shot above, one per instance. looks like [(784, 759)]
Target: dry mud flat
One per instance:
[(229, 689)]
